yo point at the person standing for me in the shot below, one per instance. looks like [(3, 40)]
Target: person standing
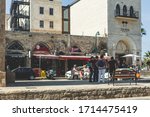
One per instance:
[(101, 64), (112, 65), (95, 75), (90, 66)]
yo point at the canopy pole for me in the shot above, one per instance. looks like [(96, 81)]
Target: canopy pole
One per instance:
[(40, 63)]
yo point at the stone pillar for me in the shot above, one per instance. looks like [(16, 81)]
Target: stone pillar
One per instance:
[(134, 58), (28, 59), (69, 41), (2, 44), (114, 50)]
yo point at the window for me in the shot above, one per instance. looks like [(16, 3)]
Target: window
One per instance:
[(51, 11), (118, 9), (41, 24), (131, 11), (51, 24), (124, 10), (66, 26), (66, 14), (50, 0), (41, 10)]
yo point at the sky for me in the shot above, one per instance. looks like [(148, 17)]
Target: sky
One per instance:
[(145, 21)]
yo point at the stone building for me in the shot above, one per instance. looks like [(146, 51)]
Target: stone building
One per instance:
[(25, 49), (7, 22), (96, 26), (36, 16), (119, 20), (2, 34), (2, 43)]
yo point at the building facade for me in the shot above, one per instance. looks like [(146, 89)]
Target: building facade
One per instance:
[(2, 44), (66, 19), (25, 48), (2, 35), (7, 22), (119, 20), (96, 26), (37, 16)]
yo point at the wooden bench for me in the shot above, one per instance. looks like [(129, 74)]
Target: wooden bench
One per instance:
[(125, 73)]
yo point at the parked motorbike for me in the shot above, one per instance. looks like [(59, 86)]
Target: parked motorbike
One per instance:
[(50, 74)]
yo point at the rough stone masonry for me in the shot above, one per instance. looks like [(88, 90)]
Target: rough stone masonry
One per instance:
[(75, 93), (2, 44)]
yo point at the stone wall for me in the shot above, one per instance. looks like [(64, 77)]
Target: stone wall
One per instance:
[(76, 94), (2, 79), (29, 40), (2, 35), (2, 43)]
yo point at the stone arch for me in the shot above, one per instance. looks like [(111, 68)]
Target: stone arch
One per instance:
[(15, 55), (123, 46), (41, 48), (15, 45), (127, 43)]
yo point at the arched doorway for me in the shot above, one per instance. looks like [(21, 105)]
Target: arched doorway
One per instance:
[(15, 55), (39, 49), (122, 48)]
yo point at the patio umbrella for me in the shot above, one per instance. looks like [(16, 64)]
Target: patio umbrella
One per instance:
[(131, 55)]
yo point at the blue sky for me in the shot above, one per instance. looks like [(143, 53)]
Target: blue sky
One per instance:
[(145, 21)]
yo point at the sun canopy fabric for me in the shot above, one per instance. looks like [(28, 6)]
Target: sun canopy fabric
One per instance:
[(62, 57), (131, 55)]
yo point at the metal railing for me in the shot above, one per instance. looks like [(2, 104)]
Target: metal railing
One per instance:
[(128, 14)]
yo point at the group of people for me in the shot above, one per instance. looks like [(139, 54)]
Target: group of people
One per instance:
[(95, 69), (82, 73), (98, 67)]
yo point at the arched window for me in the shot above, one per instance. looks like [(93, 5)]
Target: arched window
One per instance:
[(117, 10), (124, 10), (16, 46), (131, 11)]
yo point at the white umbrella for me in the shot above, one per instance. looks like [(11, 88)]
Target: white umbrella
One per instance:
[(131, 55)]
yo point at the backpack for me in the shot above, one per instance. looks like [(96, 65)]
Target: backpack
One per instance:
[(101, 63)]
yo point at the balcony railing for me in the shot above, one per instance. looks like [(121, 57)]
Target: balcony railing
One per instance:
[(128, 14), (16, 3), (23, 2), (20, 1)]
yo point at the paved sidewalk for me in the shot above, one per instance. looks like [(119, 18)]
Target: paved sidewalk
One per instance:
[(74, 89), (63, 84)]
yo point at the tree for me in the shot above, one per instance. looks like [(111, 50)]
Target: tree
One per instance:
[(143, 32), (147, 59)]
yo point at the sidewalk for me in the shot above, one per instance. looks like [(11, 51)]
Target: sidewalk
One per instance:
[(73, 89), (63, 83)]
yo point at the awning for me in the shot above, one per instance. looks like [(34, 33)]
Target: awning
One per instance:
[(62, 57), (86, 58), (16, 55), (131, 55), (46, 56)]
